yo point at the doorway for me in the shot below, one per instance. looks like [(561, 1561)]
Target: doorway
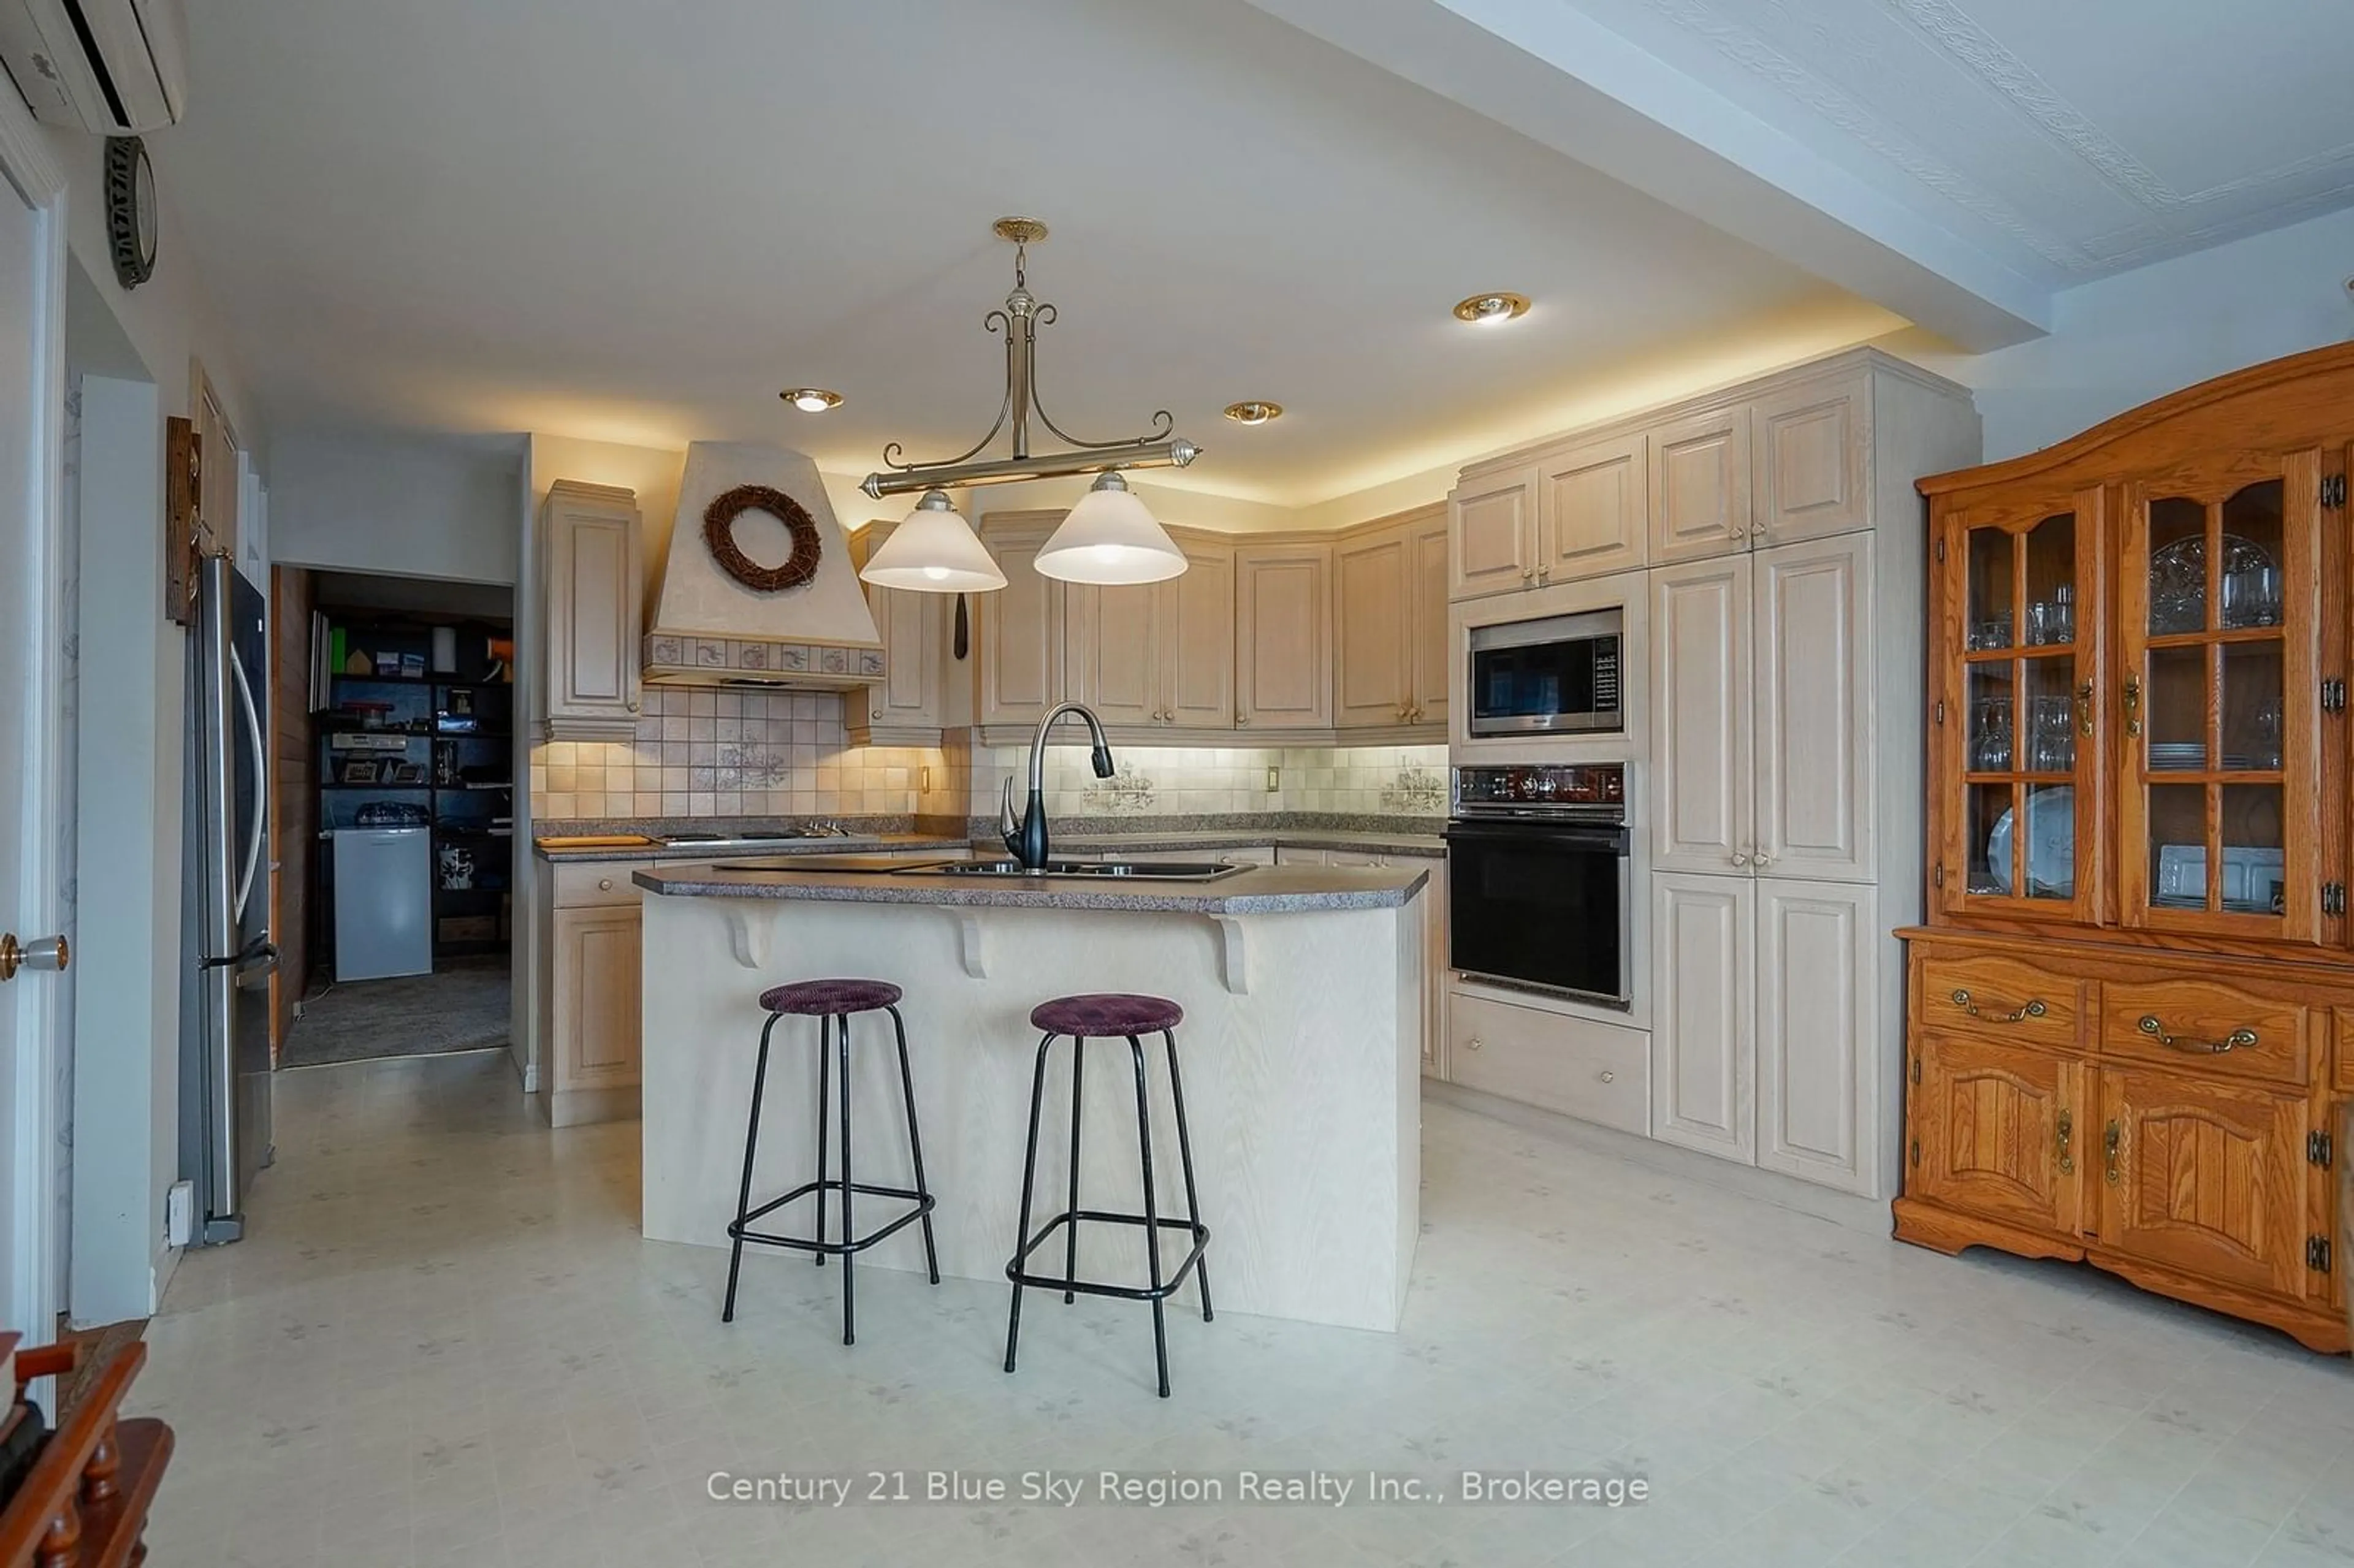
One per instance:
[(395, 761)]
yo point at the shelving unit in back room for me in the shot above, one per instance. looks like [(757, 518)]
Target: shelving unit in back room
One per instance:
[(434, 748)]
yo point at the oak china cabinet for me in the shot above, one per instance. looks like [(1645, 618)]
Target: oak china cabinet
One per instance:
[(2131, 1012)]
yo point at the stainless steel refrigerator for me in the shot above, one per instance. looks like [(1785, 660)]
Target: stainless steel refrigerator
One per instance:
[(225, 906)]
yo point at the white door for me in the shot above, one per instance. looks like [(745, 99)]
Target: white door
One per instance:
[(1816, 1059), (32, 410), (1702, 717), (1814, 742), (1704, 1012)]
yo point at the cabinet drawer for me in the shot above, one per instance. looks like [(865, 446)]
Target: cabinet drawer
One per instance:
[(583, 884), (1594, 1071), (2219, 1029), (2001, 998)]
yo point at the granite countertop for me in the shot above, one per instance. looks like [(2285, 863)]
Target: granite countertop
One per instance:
[(1090, 841), (1255, 890), (660, 851)]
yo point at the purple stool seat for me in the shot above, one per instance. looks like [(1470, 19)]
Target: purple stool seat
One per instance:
[(1106, 1014), (830, 997)]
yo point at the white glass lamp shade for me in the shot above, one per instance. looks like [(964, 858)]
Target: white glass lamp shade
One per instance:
[(1110, 536), (933, 551)]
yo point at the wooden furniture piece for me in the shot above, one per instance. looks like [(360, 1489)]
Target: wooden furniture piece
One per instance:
[(595, 579), (2131, 1037), (84, 1504), (588, 956)]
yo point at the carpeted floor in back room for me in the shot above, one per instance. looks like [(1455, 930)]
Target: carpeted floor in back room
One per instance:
[(463, 1006)]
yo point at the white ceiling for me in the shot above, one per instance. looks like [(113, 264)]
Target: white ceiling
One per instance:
[(638, 222)]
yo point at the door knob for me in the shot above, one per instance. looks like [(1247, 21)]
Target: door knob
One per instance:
[(47, 953)]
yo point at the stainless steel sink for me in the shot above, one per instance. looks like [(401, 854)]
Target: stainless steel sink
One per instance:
[(1130, 870)]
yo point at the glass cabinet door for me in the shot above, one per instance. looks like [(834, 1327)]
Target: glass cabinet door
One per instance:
[(2217, 791), (2016, 725)]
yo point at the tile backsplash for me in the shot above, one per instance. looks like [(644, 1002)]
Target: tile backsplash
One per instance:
[(701, 753)]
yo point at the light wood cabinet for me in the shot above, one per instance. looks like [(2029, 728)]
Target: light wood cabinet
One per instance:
[(593, 585), (1492, 521), (1282, 648), (1699, 485), (587, 992), (1818, 1071), (1576, 1067), (908, 705), (1702, 777), (1704, 1012), (1813, 449), (1392, 667), (1193, 629), (1437, 977), (1593, 509), (1019, 634), (1112, 660)]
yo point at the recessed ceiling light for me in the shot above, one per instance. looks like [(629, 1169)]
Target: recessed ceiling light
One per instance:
[(812, 399), (1254, 411), (1485, 310)]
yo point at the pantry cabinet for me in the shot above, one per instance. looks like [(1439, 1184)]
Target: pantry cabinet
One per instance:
[(594, 576), (2139, 820)]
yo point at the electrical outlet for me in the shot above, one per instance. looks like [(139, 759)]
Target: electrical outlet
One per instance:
[(1274, 778)]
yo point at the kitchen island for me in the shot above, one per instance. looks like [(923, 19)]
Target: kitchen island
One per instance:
[(1302, 988)]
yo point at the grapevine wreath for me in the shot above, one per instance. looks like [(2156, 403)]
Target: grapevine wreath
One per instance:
[(719, 536)]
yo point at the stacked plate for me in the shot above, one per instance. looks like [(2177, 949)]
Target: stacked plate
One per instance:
[(2177, 755)]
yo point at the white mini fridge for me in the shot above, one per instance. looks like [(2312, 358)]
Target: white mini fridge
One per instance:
[(384, 902)]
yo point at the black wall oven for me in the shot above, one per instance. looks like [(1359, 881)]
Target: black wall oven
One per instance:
[(1538, 884), (1559, 675)]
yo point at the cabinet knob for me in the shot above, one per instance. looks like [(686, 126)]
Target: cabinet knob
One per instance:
[(1736, 533), (1764, 860), (1544, 574), (1475, 1042), (1739, 858), (877, 714), (1242, 721), (1757, 530), (604, 884), (1607, 1076)]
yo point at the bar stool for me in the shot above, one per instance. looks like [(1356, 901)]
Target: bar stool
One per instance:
[(831, 1003), (1110, 1016)]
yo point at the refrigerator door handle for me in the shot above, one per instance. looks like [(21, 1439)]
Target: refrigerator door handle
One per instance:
[(260, 787)]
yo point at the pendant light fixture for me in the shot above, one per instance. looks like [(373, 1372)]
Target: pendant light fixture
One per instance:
[(1109, 537), (933, 551)]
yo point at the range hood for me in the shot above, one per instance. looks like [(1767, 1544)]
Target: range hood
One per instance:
[(710, 630)]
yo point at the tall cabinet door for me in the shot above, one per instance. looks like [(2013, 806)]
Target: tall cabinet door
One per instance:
[(1282, 676), (1019, 675), (2018, 714), (1431, 665), (1703, 1013), (1196, 626), (1700, 486), (2206, 1178), (1112, 656), (1817, 1058), (1812, 684), (2219, 621), (1592, 511), (1813, 449), (1702, 788), (1370, 627), (592, 607), (1493, 521)]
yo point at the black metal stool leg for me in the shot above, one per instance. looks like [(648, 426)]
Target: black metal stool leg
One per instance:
[(1152, 1216), (849, 1301), (1185, 1159), (1071, 1231), (824, 1068), (915, 1145), (744, 1192), (1029, 1177)]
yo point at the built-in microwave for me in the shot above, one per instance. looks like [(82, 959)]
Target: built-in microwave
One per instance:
[(1559, 675)]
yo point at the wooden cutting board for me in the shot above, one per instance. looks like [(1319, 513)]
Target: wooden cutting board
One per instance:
[(595, 840)]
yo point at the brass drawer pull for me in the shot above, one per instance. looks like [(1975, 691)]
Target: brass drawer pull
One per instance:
[(2238, 1040), (2032, 1008), (2067, 1132), (2110, 1139)]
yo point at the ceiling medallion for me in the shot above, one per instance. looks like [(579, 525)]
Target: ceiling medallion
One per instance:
[(812, 399), (1254, 411), (1487, 309)]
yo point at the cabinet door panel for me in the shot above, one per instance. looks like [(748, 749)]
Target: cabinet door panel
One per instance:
[(1493, 523), (1112, 655), (593, 606), (1814, 737), (1281, 671), (1703, 1013), (597, 997), (1817, 1033), (1369, 627), (1430, 661), (2000, 1130), (2206, 1178), (1021, 625), (1593, 510), (1702, 783), (1814, 454), (910, 691), (1436, 981), (1700, 486), (1197, 639)]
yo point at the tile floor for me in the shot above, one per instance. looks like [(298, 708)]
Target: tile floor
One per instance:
[(445, 1343)]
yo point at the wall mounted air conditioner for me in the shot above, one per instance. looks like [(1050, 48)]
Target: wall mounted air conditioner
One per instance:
[(113, 67)]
